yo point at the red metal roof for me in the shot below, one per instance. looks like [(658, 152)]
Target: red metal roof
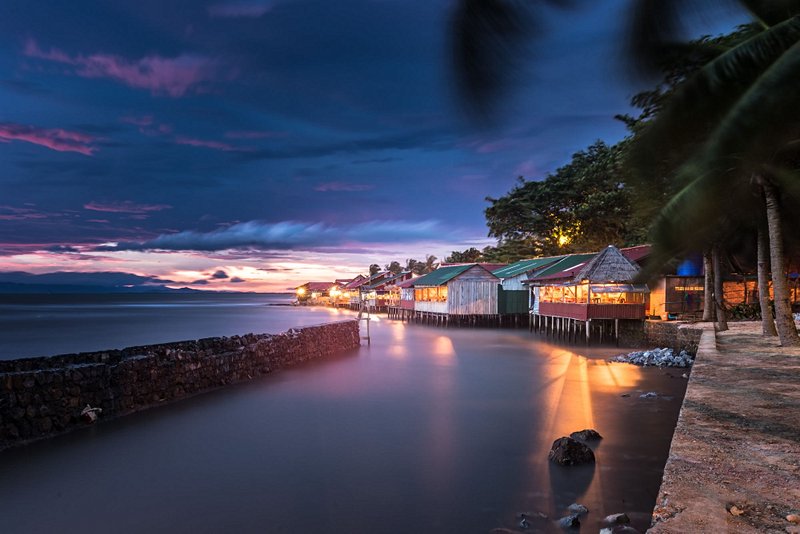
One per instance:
[(318, 286), (636, 253)]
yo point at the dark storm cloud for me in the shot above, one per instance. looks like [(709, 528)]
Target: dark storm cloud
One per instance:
[(220, 275), (237, 280)]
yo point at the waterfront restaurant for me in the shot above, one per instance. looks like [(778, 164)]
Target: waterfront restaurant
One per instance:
[(601, 291)]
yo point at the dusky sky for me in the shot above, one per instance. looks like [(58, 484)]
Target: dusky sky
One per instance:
[(257, 144)]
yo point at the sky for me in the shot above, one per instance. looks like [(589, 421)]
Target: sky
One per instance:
[(254, 145)]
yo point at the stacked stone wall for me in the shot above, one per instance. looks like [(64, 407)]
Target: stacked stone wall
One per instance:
[(675, 335), (651, 334), (40, 397)]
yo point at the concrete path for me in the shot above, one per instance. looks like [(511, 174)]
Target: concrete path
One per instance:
[(734, 464)]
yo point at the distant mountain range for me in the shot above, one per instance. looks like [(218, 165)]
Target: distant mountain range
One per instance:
[(19, 282)]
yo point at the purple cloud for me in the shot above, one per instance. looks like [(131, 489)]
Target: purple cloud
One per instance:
[(220, 275), (237, 280), (161, 76), (52, 138), (125, 206)]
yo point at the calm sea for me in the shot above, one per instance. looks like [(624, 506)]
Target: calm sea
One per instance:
[(425, 430), (45, 325)]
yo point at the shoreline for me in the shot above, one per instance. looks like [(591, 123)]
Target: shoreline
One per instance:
[(736, 437)]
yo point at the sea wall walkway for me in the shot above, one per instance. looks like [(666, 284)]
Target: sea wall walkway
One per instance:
[(734, 463), (41, 397)]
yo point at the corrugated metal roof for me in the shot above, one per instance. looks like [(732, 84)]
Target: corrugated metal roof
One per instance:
[(318, 286), (387, 281), (442, 275), (524, 266), (356, 282), (566, 267), (636, 253)]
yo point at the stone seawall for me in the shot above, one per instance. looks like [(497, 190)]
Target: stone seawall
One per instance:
[(672, 334), (41, 397)]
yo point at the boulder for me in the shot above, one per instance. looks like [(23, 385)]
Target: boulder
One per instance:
[(568, 451), (617, 519), (571, 521), (579, 509), (586, 434)]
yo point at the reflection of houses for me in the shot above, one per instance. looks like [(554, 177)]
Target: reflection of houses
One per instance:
[(462, 294), (587, 294)]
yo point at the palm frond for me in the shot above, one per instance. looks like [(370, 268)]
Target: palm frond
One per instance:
[(702, 100), (772, 12)]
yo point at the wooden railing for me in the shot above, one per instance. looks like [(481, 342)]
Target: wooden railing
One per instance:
[(582, 311)]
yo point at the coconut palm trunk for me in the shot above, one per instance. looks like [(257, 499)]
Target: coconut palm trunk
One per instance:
[(708, 287), (784, 321), (719, 298), (767, 319)]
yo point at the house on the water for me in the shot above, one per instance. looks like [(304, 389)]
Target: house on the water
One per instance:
[(457, 294), (514, 298), (379, 295), (587, 294), (314, 293)]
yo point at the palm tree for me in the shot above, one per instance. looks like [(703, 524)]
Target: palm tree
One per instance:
[(730, 120), (737, 110)]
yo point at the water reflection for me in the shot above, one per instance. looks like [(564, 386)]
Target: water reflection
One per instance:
[(422, 431)]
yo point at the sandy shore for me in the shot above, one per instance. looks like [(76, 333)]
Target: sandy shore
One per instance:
[(734, 464)]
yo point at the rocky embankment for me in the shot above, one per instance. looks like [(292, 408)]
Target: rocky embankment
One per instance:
[(663, 357)]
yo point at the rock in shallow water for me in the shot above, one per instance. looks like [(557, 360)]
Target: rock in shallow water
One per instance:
[(579, 509), (567, 451), (617, 519), (571, 521), (586, 434)]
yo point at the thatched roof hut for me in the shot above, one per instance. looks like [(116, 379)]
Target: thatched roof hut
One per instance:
[(609, 266)]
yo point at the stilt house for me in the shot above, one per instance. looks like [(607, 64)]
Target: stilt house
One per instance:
[(514, 297), (459, 290), (602, 289)]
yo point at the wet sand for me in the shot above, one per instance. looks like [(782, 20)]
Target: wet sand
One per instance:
[(426, 430)]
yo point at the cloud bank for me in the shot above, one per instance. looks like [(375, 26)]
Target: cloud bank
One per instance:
[(290, 235)]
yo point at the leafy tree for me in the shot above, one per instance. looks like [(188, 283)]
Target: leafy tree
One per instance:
[(584, 205), (471, 255), (728, 126), (738, 113), (374, 269), (422, 267), (394, 267)]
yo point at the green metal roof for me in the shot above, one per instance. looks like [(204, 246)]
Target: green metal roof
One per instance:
[(564, 264), (442, 275), (524, 266)]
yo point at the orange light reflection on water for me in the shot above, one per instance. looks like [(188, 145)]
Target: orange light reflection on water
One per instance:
[(571, 380)]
